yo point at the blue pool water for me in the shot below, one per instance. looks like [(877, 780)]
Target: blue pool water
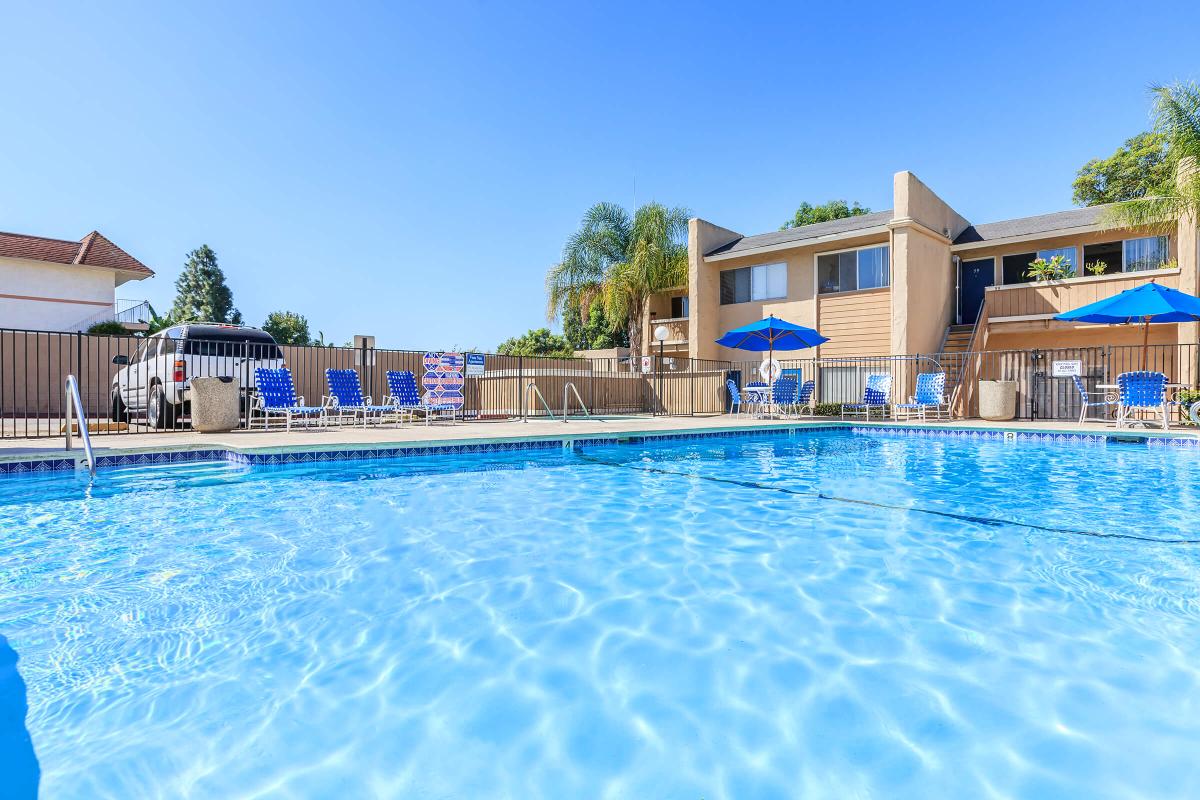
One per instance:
[(817, 616)]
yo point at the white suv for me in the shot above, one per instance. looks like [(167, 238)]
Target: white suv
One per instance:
[(156, 379)]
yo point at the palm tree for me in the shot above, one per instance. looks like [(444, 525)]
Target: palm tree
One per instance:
[(620, 262), (1177, 118)]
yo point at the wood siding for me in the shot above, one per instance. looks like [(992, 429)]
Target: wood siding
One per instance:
[(1059, 296), (857, 323)]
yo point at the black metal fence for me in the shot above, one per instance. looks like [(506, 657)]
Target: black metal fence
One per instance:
[(133, 385)]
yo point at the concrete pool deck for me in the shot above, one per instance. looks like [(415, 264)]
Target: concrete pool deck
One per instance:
[(413, 436)]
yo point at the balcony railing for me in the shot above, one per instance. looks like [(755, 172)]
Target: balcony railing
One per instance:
[(1045, 299), (131, 313), (678, 327)]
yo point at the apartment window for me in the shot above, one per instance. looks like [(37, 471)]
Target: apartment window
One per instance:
[(868, 268), (762, 282), (679, 307), (1068, 254), (1106, 253), (1143, 254), (1013, 267)]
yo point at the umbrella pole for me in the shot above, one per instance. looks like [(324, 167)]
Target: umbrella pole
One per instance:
[(1145, 341)]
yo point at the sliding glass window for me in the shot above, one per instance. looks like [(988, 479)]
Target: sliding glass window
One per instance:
[(848, 271), (762, 282)]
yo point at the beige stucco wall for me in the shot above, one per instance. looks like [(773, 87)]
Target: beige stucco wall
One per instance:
[(704, 287), (36, 295), (923, 274)]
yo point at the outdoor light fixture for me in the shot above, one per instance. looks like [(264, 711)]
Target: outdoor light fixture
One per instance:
[(660, 335)]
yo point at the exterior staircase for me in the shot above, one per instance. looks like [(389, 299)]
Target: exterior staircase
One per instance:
[(956, 342)]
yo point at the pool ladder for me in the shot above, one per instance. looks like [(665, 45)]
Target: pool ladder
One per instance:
[(571, 386), (72, 401), (567, 389)]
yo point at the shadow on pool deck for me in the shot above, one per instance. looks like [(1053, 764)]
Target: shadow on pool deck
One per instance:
[(19, 766)]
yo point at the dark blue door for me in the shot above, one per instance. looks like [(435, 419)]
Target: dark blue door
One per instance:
[(974, 277)]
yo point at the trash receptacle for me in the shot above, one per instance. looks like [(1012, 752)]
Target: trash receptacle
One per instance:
[(997, 400), (215, 407)]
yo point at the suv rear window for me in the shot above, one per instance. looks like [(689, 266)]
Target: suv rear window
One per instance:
[(230, 342)]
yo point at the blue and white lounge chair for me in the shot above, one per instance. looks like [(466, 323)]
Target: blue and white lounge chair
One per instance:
[(928, 399), (1087, 402), (876, 395), (345, 398), (735, 397), (1141, 391), (276, 396), (404, 396)]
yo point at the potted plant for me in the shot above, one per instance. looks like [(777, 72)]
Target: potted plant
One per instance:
[(1096, 267), (1056, 269)]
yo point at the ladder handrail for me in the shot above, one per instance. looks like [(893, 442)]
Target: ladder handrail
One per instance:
[(570, 385), (72, 398), (524, 405)]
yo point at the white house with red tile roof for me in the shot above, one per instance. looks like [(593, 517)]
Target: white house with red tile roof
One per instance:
[(61, 285)]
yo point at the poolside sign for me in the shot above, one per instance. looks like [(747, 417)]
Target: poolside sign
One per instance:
[(1067, 369), (443, 379), (647, 363), (475, 364)]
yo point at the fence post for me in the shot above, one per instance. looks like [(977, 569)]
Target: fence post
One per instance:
[(521, 387), (246, 382)]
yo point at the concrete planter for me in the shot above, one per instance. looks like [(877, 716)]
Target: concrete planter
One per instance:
[(997, 400), (215, 404)]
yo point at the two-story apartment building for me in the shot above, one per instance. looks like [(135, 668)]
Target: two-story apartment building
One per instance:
[(64, 285), (919, 279)]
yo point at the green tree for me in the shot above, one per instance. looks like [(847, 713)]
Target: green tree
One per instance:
[(1138, 168), (808, 214), (288, 327), (1177, 119), (157, 323), (595, 332), (200, 291), (619, 262), (537, 342)]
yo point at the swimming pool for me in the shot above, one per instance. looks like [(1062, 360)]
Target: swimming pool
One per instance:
[(816, 615)]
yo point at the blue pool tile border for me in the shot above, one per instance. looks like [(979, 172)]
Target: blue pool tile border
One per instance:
[(989, 435), (276, 458)]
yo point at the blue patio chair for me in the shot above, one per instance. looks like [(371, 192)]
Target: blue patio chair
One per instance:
[(876, 395), (404, 397), (804, 397), (928, 399), (276, 396), (345, 398), (735, 397), (1086, 401), (1141, 391), (784, 393)]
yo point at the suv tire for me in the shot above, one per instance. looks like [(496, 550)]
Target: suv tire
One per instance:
[(160, 414), (120, 413)]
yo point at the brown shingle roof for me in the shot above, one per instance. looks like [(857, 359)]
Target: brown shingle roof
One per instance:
[(91, 251)]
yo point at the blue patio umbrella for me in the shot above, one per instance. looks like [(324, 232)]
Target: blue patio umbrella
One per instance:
[(1146, 304), (771, 334)]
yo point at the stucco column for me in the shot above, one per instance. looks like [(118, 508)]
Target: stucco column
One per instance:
[(704, 287)]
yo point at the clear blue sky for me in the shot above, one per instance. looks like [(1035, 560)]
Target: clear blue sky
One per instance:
[(411, 171)]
